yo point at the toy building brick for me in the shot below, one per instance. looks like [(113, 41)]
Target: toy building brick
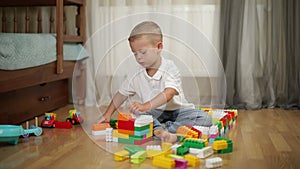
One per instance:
[(131, 130)]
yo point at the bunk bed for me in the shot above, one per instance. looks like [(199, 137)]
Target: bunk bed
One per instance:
[(28, 91)]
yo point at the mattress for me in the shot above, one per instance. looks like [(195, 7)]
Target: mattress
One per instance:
[(20, 50)]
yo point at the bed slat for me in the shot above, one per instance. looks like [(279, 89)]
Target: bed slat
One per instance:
[(27, 19), (39, 20), (3, 20), (59, 32), (15, 20), (51, 20)]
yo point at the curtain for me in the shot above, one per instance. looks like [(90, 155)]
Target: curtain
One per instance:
[(191, 40), (259, 49)]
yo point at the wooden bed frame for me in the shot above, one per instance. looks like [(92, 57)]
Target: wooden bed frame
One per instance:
[(31, 92)]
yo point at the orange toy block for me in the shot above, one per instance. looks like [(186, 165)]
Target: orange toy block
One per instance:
[(100, 126), (124, 116)]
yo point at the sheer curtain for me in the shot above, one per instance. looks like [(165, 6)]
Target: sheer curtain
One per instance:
[(191, 40), (259, 46)]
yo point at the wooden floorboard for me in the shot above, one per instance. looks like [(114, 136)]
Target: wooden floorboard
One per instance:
[(262, 139)]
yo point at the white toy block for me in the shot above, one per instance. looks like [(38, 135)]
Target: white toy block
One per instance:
[(143, 120), (213, 162), (153, 147), (194, 150), (115, 139), (108, 134), (213, 129), (205, 152), (174, 148), (98, 132)]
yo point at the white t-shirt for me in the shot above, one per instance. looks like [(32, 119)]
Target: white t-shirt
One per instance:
[(146, 87)]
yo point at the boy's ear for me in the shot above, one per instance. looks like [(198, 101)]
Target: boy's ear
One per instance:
[(160, 45)]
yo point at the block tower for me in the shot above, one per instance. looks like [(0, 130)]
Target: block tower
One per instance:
[(132, 130)]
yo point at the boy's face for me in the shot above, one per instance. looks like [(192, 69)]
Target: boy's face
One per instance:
[(146, 53)]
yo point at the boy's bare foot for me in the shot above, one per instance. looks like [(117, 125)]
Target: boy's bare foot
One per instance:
[(165, 136)]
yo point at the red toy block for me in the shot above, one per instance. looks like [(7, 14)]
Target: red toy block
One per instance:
[(62, 125), (126, 125), (139, 142)]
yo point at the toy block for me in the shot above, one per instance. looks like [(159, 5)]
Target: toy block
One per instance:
[(181, 164), (121, 155), (182, 150), (152, 153), (113, 123), (141, 133), (115, 139), (138, 157), (100, 126), (174, 156), (139, 142), (153, 147), (194, 151), (133, 149), (193, 161), (124, 116), (108, 134), (213, 162), (219, 145), (98, 133), (163, 162), (143, 120), (205, 152), (125, 141), (142, 128), (174, 148), (229, 142), (165, 146), (126, 125), (119, 135), (194, 143), (122, 131), (62, 125)]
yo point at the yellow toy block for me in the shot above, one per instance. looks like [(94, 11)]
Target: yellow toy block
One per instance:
[(163, 162), (119, 135), (121, 155), (220, 145), (151, 127), (192, 160), (138, 157), (154, 153)]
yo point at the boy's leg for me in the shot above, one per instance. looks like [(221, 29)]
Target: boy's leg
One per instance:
[(158, 130), (191, 117)]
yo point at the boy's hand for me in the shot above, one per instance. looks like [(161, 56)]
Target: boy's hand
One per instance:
[(104, 119), (136, 107)]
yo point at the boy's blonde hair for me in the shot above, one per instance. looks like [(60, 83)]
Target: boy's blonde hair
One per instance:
[(146, 28)]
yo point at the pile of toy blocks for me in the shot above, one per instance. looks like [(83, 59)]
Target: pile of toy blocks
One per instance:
[(127, 129), (134, 130)]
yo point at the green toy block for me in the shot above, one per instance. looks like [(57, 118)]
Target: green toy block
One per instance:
[(126, 141), (142, 128), (190, 143), (133, 149), (113, 123), (182, 150)]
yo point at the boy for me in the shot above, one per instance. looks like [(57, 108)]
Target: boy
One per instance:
[(158, 85)]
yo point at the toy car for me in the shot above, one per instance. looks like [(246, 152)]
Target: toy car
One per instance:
[(49, 120), (74, 117), (11, 133)]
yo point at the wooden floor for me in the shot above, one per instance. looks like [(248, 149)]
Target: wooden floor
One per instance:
[(267, 138)]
